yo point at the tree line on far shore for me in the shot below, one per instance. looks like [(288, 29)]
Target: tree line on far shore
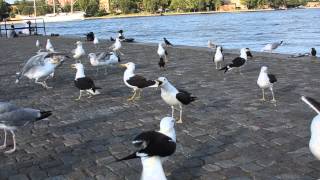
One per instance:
[(93, 8)]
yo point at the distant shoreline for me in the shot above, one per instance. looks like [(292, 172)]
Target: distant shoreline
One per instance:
[(173, 14), (137, 15)]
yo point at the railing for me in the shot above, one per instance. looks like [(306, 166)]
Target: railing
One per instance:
[(32, 27)]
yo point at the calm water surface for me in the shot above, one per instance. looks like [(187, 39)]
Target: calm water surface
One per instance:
[(299, 29)]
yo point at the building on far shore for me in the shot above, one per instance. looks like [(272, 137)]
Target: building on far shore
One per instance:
[(61, 2), (105, 4), (231, 5), (313, 4)]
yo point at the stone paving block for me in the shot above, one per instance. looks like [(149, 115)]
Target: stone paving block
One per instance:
[(19, 177)]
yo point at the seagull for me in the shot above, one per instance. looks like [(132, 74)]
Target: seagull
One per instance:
[(96, 41), (115, 47), (266, 80), (218, 57), (90, 36), (102, 59), (84, 83), (272, 46), (167, 42), (153, 147), (162, 52), (173, 96), (41, 66), (238, 62), (314, 143), (49, 46), (13, 117), (135, 82), (120, 35), (79, 51), (211, 45), (38, 45), (313, 52)]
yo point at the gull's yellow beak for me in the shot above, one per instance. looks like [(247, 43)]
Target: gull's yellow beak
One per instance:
[(73, 66), (123, 65)]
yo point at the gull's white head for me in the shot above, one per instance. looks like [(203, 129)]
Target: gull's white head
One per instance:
[(79, 43), (129, 65), (167, 127), (245, 53), (48, 41), (162, 81), (167, 123), (161, 45), (219, 48), (92, 55), (264, 69)]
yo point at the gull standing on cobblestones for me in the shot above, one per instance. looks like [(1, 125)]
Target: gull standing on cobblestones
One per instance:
[(238, 62), (49, 46), (84, 83), (153, 147), (218, 57), (96, 41), (173, 96), (38, 45), (12, 117), (135, 82), (162, 52), (79, 51), (314, 143), (41, 66), (115, 47), (266, 80), (313, 52)]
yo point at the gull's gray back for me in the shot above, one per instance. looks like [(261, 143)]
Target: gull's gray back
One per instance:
[(11, 115), (37, 60)]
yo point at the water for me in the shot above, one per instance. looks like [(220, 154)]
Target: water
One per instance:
[(299, 29)]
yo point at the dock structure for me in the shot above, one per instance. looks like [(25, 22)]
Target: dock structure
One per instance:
[(226, 134)]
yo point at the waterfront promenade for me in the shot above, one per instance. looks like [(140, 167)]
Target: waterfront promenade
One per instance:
[(227, 133)]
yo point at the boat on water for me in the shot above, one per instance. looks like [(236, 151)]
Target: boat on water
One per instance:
[(59, 17)]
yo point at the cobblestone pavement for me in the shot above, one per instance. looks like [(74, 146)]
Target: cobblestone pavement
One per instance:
[(227, 134)]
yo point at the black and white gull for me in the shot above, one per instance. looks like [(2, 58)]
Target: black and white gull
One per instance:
[(266, 80), (83, 83), (238, 62), (162, 52), (218, 57), (174, 97), (167, 43), (13, 117), (314, 143), (313, 52), (41, 66), (153, 147), (116, 46), (135, 82)]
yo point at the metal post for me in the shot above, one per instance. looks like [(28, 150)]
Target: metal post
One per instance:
[(5, 27), (35, 8)]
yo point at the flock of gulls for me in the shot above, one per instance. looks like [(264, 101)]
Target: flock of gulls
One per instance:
[(154, 146)]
